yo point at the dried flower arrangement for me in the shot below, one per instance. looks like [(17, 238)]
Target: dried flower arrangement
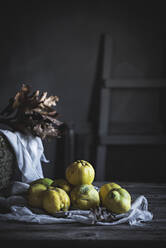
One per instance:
[(30, 114), (33, 114)]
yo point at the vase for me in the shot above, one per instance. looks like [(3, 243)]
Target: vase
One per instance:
[(7, 162)]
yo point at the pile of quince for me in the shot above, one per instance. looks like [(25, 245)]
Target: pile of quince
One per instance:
[(76, 191)]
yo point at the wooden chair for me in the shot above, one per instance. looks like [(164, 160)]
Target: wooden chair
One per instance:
[(104, 136)]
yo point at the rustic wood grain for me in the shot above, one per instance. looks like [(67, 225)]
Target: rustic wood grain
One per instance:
[(152, 234)]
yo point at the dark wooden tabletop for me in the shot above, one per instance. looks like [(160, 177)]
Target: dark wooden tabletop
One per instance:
[(151, 234)]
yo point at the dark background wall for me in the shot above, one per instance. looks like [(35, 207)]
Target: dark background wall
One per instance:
[(55, 46)]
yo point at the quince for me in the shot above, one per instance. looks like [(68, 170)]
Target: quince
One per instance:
[(80, 172), (118, 201), (55, 199), (35, 195), (45, 181), (63, 184), (106, 188), (84, 197)]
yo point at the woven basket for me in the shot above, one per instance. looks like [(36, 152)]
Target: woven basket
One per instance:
[(7, 162)]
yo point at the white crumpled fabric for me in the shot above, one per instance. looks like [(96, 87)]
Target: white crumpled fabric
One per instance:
[(20, 211), (29, 154)]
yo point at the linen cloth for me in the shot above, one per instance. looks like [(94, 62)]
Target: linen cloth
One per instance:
[(19, 210), (29, 153)]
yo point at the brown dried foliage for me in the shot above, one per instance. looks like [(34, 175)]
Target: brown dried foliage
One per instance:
[(33, 114)]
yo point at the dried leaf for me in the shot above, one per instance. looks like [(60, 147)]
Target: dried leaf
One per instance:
[(35, 114)]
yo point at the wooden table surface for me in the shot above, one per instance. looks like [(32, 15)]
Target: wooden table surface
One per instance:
[(151, 234)]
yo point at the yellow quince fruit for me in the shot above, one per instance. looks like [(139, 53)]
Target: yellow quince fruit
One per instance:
[(106, 188), (35, 195), (55, 200), (84, 197), (80, 172), (118, 201), (63, 184), (45, 181)]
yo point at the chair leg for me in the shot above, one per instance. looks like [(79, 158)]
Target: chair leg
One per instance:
[(100, 163), (162, 169)]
